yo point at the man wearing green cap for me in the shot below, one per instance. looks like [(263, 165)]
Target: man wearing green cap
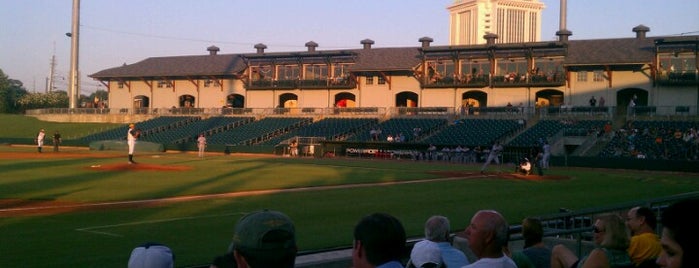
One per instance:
[(265, 239)]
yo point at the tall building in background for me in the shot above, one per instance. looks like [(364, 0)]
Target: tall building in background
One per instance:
[(514, 21)]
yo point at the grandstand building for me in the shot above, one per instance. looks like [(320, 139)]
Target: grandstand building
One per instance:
[(659, 73)]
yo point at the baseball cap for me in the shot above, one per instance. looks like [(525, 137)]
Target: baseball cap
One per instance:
[(265, 233), (131, 125), (425, 252), (152, 255)]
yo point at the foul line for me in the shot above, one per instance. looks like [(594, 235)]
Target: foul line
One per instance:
[(234, 194), (92, 229)]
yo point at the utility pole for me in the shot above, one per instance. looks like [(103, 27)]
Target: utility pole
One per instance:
[(74, 83), (52, 71)]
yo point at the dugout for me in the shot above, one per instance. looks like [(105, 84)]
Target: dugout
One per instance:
[(306, 146)]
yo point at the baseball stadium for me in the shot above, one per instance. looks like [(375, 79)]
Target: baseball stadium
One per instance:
[(329, 136)]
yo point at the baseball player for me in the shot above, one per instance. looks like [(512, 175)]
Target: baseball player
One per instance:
[(131, 137), (201, 143), (493, 155), (547, 155), (56, 140), (525, 167), (40, 139)]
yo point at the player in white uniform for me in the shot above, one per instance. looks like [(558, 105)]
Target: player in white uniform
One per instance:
[(40, 139), (493, 155), (131, 137)]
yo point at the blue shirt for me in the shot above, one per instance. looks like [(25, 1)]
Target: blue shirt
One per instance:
[(391, 264), (451, 256)]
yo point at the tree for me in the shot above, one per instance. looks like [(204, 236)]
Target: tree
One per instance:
[(55, 99), (101, 94), (99, 98), (11, 91)]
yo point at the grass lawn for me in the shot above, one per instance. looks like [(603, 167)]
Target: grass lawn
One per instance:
[(308, 190), (27, 127)]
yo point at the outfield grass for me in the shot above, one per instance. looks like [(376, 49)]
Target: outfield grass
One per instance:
[(21, 126), (199, 230)]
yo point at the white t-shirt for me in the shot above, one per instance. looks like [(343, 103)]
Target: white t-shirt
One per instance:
[(502, 262)]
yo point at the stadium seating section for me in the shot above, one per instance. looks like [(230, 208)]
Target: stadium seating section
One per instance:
[(657, 139)]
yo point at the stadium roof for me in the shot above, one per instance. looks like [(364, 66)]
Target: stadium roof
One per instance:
[(620, 51)]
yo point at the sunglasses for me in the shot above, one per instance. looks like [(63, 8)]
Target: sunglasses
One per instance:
[(597, 230)]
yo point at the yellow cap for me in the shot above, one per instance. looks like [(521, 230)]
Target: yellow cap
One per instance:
[(131, 125)]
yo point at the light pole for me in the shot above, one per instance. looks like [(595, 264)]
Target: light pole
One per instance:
[(74, 76)]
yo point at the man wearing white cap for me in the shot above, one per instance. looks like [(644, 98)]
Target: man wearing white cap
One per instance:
[(437, 235), (425, 254), (152, 255)]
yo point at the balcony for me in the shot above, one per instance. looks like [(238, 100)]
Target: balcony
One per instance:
[(502, 81), (677, 78), (339, 83), (523, 80), (466, 81)]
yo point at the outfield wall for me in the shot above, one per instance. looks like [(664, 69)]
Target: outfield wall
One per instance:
[(386, 150)]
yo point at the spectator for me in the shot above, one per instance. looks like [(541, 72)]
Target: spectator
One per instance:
[(264, 239), (461, 243), (151, 255), (437, 233), (607, 127), (224, 261), (645, 243), (487, 236), (631, 109), (534, 252), (379, 241), (417, 132), (612, 241), (425, 254), (680, 235), (593, 101)]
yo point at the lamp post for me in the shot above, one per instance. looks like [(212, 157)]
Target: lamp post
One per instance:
[(73, 78)]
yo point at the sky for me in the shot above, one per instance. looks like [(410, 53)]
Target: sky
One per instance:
[(114, 32)]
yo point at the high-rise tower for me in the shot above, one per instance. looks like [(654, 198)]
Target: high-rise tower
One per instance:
[(514, 21)]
